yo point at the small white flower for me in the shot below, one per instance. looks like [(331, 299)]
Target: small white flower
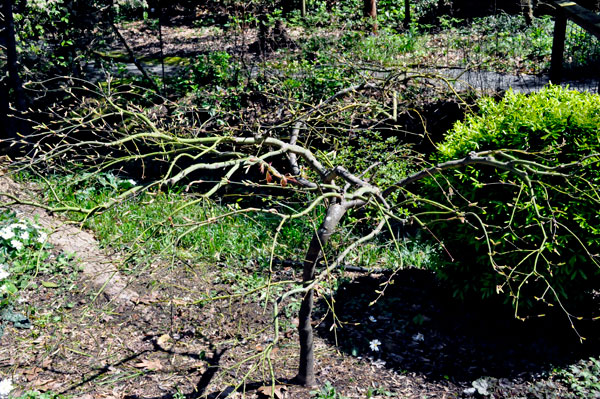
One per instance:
[(3, 289), (16, 244), (374, 345), (42, 237), (18, 226), (132, 182), (418, 337), (7, 233), (24, 235), (4, 271), (372, 319), (5, 387)]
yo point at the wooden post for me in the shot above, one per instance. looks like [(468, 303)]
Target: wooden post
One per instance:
[(558, 46), (583, 17)]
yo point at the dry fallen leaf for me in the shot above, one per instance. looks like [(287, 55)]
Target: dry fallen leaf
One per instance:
[(163, 339), (199, 366), (149, 365), (32, 373), (266, 391), (47, 385), (148, 299)]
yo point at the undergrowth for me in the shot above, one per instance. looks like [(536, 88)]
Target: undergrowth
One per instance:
[(202, 231)]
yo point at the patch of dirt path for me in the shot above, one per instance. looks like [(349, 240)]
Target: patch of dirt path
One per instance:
[(98, 266)]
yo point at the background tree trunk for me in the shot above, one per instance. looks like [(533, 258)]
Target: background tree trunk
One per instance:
[(7, 129), (370, 11), (16, 125), (528, 6)]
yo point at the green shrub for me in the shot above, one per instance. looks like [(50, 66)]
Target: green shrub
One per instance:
[(215, 68), (544, 250), (215, 79)]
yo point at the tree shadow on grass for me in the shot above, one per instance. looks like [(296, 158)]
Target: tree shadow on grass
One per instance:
[(422, 329)]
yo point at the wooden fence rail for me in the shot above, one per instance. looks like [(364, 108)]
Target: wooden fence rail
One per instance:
[(568, 10)]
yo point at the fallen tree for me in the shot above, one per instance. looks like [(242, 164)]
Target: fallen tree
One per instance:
[(106, 133)]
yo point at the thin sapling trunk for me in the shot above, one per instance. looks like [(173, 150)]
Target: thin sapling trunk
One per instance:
[(306, 371)]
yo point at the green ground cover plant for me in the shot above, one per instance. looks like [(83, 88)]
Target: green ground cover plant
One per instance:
[(22, 254), (327, 391), (583, 377)]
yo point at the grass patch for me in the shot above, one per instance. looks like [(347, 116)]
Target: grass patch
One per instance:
[(177, 224)]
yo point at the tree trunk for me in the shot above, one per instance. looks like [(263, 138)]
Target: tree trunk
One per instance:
[(306, 370), (132, 57), (528, 6), (160, 39), (406, 14), (7, 128), (287, 6), (17, 126), (370, 11), (263, 32)]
